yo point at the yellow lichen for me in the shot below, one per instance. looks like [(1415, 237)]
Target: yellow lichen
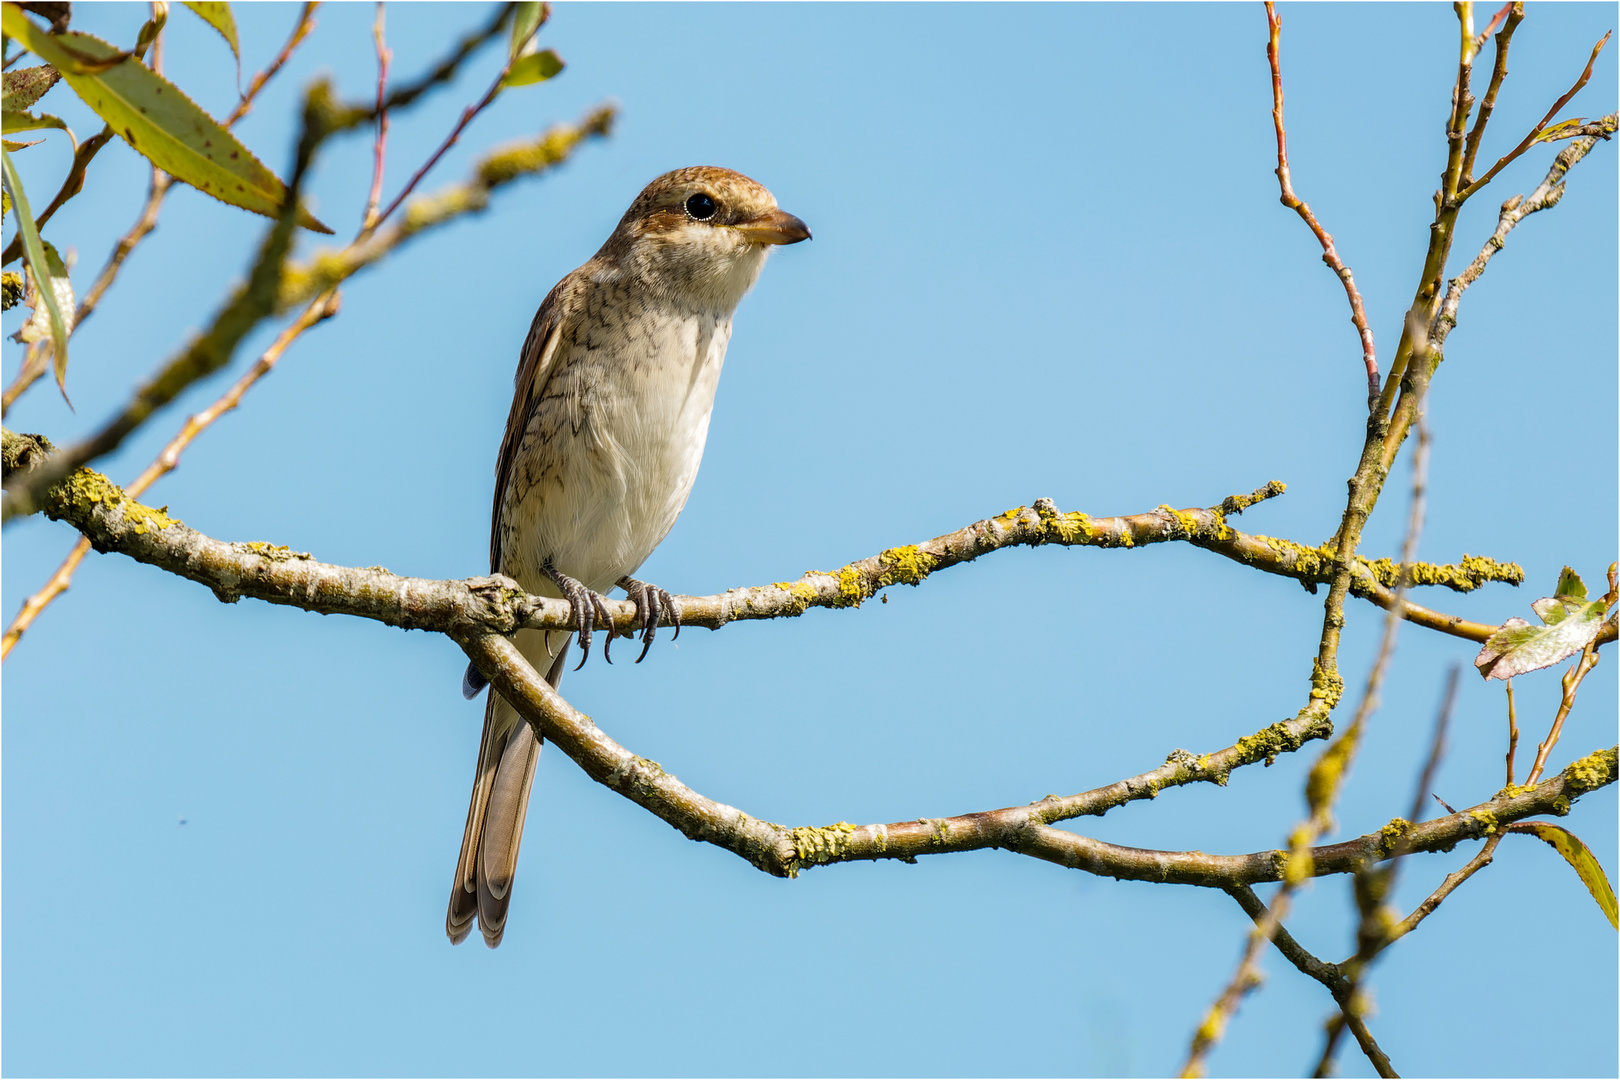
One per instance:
[(907, 565), (1592, 771), (86, 488)]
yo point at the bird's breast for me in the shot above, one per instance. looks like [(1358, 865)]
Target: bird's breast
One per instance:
[(614, 446)]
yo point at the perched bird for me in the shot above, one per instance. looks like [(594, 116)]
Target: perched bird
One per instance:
[(609, 416)]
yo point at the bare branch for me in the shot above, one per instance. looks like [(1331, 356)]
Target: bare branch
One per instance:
[(1530, 139), (1330, 254), (1514, 13), (1545, 196)]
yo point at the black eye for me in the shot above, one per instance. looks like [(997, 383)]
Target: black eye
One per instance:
[(701, 207)]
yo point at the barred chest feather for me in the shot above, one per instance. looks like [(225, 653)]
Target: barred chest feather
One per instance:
[(611, 450)]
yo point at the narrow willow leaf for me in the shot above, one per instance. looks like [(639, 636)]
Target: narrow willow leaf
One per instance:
[(156, 119), (527, 18), (1562, 130), (220, 18), (34, 256), (1519, 647), (15, 121), (14, 146), (24, 86), (1581, 858), (536, 67)]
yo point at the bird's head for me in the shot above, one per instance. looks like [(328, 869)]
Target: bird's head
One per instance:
[(702, 234)]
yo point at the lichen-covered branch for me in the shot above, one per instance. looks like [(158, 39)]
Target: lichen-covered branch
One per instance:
[(785, 852), (478, 611), (113, 521)]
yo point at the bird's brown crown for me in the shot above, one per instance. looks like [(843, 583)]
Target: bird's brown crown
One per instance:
[(663, 205)]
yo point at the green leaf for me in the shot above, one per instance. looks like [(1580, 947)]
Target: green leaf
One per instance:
[(34, 255), (13, 147), (526, 20), (156, 119), (536, 67), (1570, 585), (1570, 623), (24, 86), (220, 18), (1581, 858), (15, 121)]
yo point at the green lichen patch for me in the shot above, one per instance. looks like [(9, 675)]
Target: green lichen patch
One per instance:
[(817, 846), (77, 497), (1326, 685), (1267, 744), (1486, 820)]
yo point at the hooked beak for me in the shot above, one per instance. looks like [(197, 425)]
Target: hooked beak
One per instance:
[(776, 227)]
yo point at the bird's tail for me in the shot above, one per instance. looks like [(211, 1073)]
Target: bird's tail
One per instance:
[(500, 797)]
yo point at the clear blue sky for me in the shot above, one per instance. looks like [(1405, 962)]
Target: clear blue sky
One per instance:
[(1049, 260)]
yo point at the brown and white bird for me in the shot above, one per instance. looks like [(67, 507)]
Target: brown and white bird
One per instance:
[(611, 410)]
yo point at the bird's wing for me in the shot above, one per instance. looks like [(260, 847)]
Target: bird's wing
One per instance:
[(536, 366)]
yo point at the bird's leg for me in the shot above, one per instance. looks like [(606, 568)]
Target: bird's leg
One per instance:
[(651, 604), (586, 608)]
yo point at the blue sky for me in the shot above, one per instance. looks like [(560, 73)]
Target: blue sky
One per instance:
[(1049, 261)]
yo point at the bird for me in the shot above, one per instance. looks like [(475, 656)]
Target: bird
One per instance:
[(610, 412)]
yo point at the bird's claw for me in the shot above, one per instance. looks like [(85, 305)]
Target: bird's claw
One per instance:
[(586, 609), (652, 603)]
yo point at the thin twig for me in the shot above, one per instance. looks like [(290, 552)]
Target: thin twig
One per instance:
[(300, 30), (1514, 13), (1545, 196), (1330, 254), (1571, 684), (380, 149), (450, 140), (1513, 733), (1479, 862), (1530, 139), (71, 186)]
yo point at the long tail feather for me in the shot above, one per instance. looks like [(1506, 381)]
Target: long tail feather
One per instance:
[(507, 757)]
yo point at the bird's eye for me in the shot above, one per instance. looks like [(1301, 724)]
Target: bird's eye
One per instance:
[(701, 207)]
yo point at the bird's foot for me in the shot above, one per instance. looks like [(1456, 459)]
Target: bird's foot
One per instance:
[(652, 603), (586, 607)]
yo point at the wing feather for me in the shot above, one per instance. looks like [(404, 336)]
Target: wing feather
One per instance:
[(535, 367)]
